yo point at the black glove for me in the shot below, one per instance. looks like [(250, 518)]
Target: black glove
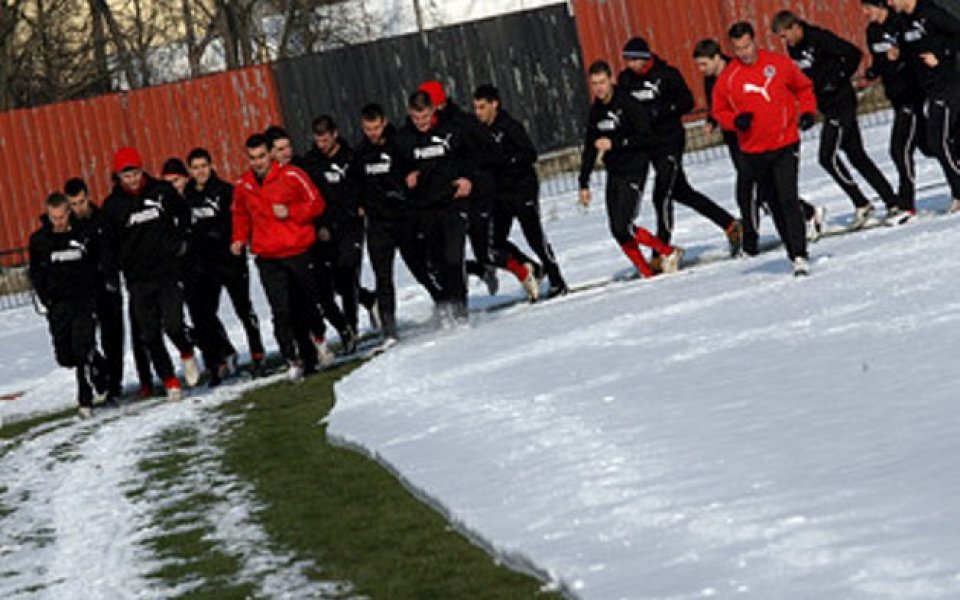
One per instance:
[(743, 121), (807, 120)]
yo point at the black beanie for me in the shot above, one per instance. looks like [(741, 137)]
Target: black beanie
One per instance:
[(880, 3), (636, 48), (174, 166)]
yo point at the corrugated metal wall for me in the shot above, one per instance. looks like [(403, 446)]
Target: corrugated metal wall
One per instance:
[(673, 28), (42, 147), (532, 56)]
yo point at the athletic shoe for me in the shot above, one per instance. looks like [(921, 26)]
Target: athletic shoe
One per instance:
[(490, 279), (174, 391), (861, 215), (256, 366), (146, 391), (348, 341), (111, 402), (324, 354), (530, 284), (656, 264), (294, 372), (228, 367), (671, 262), (215, 378), (896, 216), (373, 313), (801, 268), (84, 412), (954, 206), (191, 370), (734, 233), (556, 291), (816, 222)]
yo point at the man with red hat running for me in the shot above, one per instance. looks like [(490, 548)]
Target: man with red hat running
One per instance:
[(144, 233)]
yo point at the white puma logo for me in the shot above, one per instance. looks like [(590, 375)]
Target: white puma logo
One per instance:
[(752, 88)]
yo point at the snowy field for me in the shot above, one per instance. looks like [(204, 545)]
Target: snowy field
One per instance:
[(728, 432)]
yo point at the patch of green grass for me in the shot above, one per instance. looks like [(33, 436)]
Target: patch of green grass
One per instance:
[(14, 429), (346, 513)]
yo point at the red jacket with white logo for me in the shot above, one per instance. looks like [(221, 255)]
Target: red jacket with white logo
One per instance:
[(253, 218), (775, 90)]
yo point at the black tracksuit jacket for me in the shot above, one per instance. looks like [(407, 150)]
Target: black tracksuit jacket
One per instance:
[(439, 154), (829, 61), (662, 90), (211, 228), (932, 29), (144, 234), (332, 177), (626, 122), (379, 173), (899, 81), (62, 265), (515, 154)]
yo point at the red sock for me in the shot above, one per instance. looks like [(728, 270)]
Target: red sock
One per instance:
[(636, 257), (171, 383), (642, 236), (186, 355), (517, 268)]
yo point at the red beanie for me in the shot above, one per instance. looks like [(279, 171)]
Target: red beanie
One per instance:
[(127, 158), (434, 89)]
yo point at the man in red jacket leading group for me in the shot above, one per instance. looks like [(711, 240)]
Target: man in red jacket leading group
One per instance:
[(274, 207), (760, 95)]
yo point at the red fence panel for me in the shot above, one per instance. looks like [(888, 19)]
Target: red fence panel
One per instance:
[(673, 28), (42, 147)]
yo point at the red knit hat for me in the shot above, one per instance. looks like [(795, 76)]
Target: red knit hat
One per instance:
[(127, 158), (434, 89)]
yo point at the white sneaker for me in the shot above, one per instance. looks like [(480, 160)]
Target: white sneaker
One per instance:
[(671, 262), (954, 206), (801, 268), (84, 412), (896, 216), (191, 371), (294, 372), (861, 215), (174, 394), (325, 355), (530, 285), (816, 222)]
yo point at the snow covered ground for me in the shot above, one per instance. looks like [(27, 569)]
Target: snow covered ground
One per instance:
[(730, 431)]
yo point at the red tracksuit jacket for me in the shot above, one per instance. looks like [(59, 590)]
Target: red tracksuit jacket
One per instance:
[(253, 218), (775, 90)]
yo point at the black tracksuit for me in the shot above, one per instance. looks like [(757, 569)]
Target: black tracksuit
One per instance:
[(626, 124), (438, 155), (65, 278), (518, 196), (379, 172), (212, 267), (663, 91), (830, 61), (479, 151), (339, 258), (109, 305), (931, 29), (906, 97), (145, 237)]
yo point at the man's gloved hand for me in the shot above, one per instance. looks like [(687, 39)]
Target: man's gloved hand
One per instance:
[(743, 121), (807, 120)]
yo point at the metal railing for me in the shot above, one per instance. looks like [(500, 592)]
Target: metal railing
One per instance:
[(15, 287)]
